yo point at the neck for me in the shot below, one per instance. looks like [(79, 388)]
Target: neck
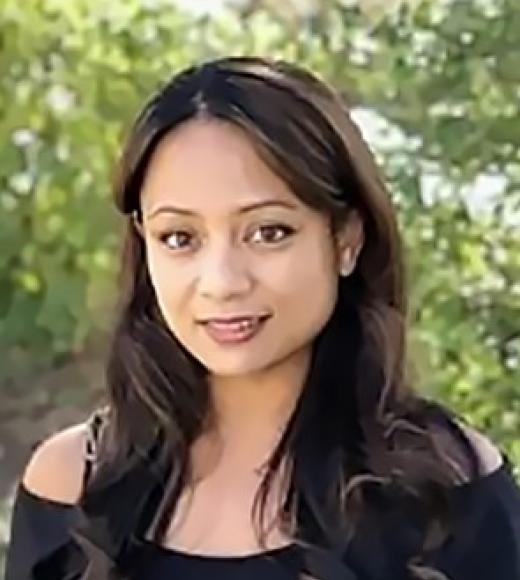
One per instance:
[(249, 413)]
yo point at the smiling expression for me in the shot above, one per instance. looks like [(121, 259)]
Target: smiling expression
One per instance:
[(225, 236)]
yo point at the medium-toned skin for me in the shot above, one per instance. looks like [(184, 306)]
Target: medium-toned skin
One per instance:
[(213, 169), (222, 261)]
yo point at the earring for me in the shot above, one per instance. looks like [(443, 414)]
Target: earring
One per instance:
[(346, 265)]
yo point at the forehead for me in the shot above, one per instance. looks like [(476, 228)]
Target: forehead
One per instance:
[(210, 167)]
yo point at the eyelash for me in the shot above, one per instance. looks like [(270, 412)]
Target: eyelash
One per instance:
[(288, 231)]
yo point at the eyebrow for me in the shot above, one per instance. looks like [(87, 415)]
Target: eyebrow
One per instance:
[(241, 210)]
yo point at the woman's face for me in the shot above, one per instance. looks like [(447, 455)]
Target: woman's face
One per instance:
[(225, 237)]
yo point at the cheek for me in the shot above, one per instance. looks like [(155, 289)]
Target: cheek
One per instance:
[(168, 286), (307, 270), (305, 285)]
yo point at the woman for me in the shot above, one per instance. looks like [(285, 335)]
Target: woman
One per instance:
[(259, 419)]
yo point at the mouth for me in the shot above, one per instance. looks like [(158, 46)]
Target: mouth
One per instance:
[(234, 330)]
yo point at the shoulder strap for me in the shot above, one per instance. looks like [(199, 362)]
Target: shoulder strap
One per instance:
[(95, 424)]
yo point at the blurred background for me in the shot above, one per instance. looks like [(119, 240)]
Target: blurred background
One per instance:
[(435, 87)]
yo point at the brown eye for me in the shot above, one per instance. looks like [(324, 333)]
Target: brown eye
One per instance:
[(175, 240), (273, 233)]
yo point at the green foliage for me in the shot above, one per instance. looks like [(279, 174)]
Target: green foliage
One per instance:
[(443, 79), (72, 77)]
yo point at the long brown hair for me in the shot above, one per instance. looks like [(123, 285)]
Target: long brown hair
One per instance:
[(358, 422)]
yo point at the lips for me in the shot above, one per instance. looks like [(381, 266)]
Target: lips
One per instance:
[(235, 329), (232, 319)]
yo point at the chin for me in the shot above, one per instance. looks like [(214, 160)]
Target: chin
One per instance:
[(232, 368)]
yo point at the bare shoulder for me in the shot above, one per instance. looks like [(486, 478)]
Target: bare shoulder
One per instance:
[(55, 470), (490, 456)]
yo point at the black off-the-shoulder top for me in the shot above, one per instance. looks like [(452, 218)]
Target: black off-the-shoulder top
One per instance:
[(485, 544)]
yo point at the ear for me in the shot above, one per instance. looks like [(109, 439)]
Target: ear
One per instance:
[(349, 242), (137, 223)]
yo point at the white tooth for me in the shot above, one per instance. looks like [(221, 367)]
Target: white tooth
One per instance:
[(239, 325)]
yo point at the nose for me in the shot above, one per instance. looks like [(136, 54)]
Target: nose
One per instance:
[(223, 275)]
